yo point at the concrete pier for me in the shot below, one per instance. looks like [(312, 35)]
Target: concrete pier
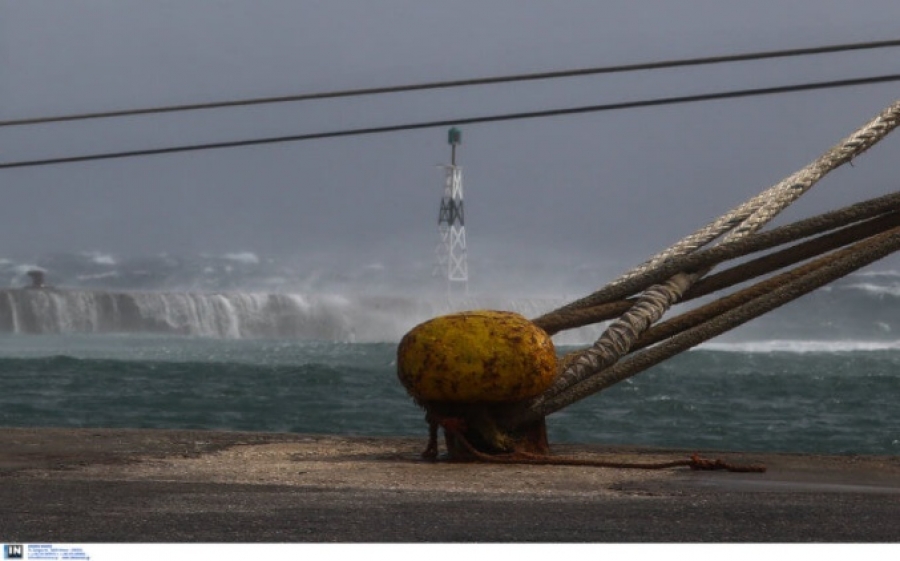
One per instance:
[(103, 485)]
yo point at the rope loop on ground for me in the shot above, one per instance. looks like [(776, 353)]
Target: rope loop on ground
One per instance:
[(696, 462)]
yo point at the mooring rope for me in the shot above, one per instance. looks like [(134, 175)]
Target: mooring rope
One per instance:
[(561, 320), (755, 212), (845, 241), (709, 311), (732, 276), (750, 270), (787, 287), (618, 338), (790, 256)]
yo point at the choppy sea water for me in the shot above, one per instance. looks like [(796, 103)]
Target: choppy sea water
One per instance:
[(842, 402), (227, 343)]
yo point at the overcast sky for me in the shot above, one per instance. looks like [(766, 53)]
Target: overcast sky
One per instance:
[(608, 187)]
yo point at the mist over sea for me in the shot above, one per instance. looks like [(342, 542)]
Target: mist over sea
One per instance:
[(242, 342)]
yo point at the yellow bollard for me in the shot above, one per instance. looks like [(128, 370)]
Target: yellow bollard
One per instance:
[(476, 357), (469, 370)]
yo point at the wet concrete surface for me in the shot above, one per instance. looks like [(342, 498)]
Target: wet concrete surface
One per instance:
[(87, 485)]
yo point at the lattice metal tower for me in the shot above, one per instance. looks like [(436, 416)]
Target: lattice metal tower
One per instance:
[(451, 251)]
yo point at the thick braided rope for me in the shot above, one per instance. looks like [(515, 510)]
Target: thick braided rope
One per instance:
[(618, 338), (791, 188), (554, 322), (792, 256), (742, 272), (764, 206), (791, 285)]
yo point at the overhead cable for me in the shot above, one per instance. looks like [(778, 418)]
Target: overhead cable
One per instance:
[(760, 55), (462, 121)]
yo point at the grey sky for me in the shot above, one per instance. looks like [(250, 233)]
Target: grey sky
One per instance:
[(613, 187)]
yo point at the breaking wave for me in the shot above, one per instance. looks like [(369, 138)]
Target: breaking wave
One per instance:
[(240, 294), (232, 315)]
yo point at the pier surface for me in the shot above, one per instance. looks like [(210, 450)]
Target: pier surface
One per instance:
[(109, 485)]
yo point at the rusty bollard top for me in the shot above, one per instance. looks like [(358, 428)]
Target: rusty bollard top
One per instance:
[(476, 357)]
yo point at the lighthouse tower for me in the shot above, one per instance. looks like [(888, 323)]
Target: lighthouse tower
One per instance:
[(451, 251)]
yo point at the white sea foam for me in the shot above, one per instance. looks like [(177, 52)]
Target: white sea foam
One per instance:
[(379, 300), (100, 258), (799, 346), (98, 276), (886, 273), (245, 257), (322, 316), (878, 289), (23, 268)]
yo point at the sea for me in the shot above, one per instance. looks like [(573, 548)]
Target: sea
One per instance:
[(230, 342)]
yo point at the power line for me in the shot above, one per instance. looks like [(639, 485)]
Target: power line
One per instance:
[(464, 121), (468, 82)]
